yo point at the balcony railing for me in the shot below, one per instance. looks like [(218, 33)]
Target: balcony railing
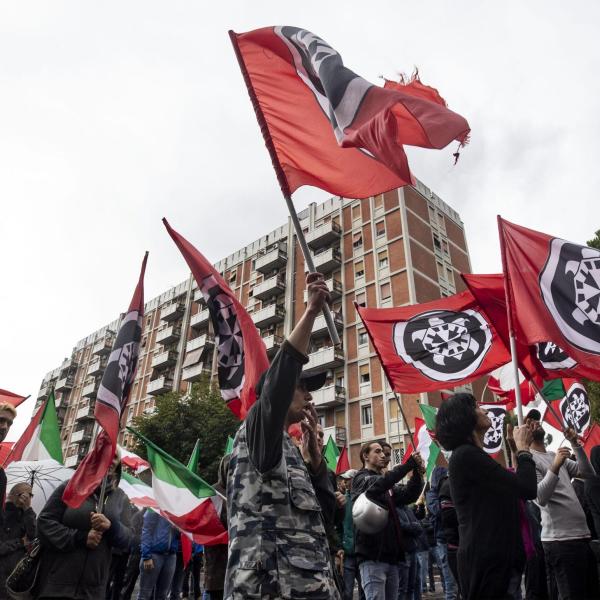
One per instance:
[(268, 316), (66, 383), (172, 312), (323, 359), (331, 395), (68, 367), (80, 435), (320, 325), (164, 359), (271, 260), (97, 366), (324, 235), (200, 342), (103, 346), (90, 388), (335, 289), (200, 319), (269, 287), (272, 343), (160, 386), (43, 393), (328, 261), (85, 412), (195, 372), (337, 433), (168, 335)]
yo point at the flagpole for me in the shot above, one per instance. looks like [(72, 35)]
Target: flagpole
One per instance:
[(102, 495), (548, 403), (412, 439)]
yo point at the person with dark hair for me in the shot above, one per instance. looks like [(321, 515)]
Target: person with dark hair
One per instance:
[(8, 413), (378, 554), (486, 496), (387, 452), (570, 563), (591, 488)]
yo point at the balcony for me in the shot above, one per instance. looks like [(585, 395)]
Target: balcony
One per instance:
[(320, 325), (328, 261), (160, 386), (269, 287), (64, 384), (90, 388), (323, 359), (272, 343), (97, 366), (173, 312), (164, 359), (324, 235), (198, 296), (43, 393), (71, 461), (200, 342), (271, 260), (85, 412), (168, 335), (195, 372), (81, 435), (337, 433), (200, 319), (103, 346), (268, 316), (329, 396), (335, 289), (68, 367)]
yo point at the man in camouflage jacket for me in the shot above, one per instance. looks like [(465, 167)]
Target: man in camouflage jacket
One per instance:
[(278, 546)]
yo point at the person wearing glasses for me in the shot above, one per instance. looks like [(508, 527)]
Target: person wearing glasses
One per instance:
[(17, 529)]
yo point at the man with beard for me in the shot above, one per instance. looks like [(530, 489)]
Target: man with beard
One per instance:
[(277, 541), (570, 563)]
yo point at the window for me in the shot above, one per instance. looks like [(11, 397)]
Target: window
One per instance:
[(432, 217), (445, 247), (232, 276), (440, 221), (378, 202), (437, 244), (440, 269), (382, 259), (339, 380), (361, 298), (366, 415), (385, 290), (449, 275), (359, 268), (356, 212), (380, 229), (357, 240), (321, 420), (363, 338), (364, 375)]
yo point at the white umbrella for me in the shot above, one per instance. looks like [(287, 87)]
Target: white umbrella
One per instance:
[(44, 476)]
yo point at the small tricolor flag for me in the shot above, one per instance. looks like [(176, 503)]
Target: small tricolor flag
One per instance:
[(428, 449)]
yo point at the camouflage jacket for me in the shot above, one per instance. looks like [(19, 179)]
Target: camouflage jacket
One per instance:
[(277, 542)]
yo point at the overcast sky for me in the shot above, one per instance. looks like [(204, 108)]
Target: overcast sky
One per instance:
[(115, 114)]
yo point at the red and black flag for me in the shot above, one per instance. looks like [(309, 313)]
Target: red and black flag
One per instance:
[(111, 399), (241, 353), (428, 346), (326, 126), (554, 294), (573, 406), (492, 439), (12, 398)]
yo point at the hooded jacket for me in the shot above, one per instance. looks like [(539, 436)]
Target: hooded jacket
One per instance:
[(158, 536), (432, 497), (592, 489)]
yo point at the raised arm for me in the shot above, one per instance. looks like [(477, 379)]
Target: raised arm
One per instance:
[(582, 466)]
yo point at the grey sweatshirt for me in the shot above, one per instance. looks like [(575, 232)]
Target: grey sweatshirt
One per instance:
[(562, 515)]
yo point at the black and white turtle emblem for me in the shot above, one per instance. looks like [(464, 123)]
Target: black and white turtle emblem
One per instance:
[(553, 357), (492, 440), (575, 408), (444, 345), (570, 287)]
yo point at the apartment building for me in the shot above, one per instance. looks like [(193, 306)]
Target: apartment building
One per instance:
[(403, 247)]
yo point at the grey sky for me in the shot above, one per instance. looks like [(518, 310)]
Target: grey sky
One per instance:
[(115, 114)]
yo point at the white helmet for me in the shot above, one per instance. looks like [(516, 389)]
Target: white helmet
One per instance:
[(368, 516)]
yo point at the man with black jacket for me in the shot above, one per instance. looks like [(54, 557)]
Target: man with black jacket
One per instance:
[(379, 554)]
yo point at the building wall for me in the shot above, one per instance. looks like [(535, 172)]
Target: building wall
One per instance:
[(402, 247)]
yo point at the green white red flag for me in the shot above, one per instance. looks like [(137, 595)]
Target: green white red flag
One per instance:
[(331, 454), (137, 491), (428, 449)]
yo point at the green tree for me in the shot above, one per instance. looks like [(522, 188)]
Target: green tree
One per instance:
[(593, 390), (595, 243), (179, 421)]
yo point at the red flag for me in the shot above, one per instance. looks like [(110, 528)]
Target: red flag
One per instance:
[(111, 400), (242, 356), (5, 450), (11, 398), (428, 346), (186, 549), (554, 288), (325, 126), (343, 463), (592, 439), (574, 408)]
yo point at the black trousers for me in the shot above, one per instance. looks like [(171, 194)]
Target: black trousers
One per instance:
[(193, 570), (571, 570), (131, 575), (118, 566)]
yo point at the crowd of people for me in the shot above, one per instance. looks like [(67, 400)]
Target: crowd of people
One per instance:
[(298, 531)]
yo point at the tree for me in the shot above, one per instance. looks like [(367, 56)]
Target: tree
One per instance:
[(593, 391), (179, 421), (595, 243)]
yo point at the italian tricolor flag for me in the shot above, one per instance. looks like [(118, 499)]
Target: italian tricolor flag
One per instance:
[(137, 491), (184, 498), (428, 449), (41, 439)]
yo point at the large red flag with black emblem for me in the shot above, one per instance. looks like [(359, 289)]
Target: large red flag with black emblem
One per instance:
[(241, 353), (574, 408), (111, 400), (326, 126), (554, 288), (429, 346)]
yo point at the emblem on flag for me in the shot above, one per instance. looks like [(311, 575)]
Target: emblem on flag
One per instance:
[(570, 286), (575, 408), (492, 440), (444, 345), (553, 357)]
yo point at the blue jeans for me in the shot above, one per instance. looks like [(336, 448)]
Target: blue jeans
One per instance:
[(408, 578), (441, 556), (351, 574), (160, 577), (423, 562), (379, 580)]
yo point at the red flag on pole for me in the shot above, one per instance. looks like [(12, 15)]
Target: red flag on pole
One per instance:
[(428, 346), (186, 549), (574, 408), (111, 400), (242, 356), (555, 290), (328, 127), (11, 398), (343, 464), (592, 438)]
